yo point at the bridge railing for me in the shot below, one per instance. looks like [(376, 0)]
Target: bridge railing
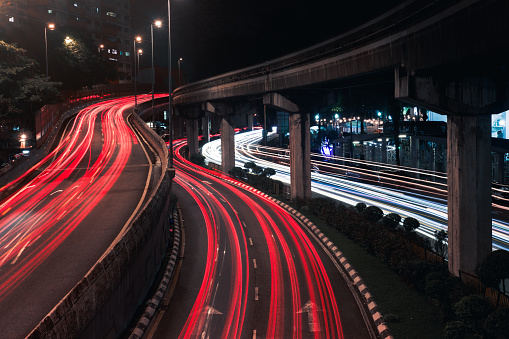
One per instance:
[(47, 117), (392, 22)]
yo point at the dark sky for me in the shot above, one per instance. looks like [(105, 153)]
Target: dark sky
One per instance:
[(217, 36)]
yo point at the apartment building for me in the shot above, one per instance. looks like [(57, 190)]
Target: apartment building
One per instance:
[(106, 22)]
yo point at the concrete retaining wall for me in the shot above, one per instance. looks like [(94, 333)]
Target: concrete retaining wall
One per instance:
[(103, 303)]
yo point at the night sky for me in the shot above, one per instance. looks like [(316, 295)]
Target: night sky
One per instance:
[(217, 36)]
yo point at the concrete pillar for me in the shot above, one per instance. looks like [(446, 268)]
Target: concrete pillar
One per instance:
[(250, 122), (499, 168), (206, 128), (373, 152), (469, 190), (300, 159), (192, 136), (227, 145)]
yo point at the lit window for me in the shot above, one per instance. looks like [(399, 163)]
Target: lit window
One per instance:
[(127, 54), (121, 53), (112, 14), (109, 51), (50, 11), (75, 5), (11, 19), (114, 51)]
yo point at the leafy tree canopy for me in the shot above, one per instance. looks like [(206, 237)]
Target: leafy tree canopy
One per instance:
[(22, 89)]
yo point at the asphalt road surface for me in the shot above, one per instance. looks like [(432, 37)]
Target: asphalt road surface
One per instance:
[(251, 271), (63, 214)]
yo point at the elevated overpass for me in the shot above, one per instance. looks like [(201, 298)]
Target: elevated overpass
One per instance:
[(443, 55)]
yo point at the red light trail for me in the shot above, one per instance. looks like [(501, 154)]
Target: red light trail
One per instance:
[(73, 179), (301, 298)]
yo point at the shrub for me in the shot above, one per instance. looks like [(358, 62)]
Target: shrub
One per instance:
[(454, 330), (391, 220), (317, 205), (249, 165), (198, 159), (268, 172), (497, 324), (494, 268), (473, 311), (438, 289), (257, 170), (360, 207), (440, 243), (410, 224), (373, 213), (238, 172), (415, 271)]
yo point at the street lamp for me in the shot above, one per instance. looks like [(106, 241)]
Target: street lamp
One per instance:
[(51, 27), (157, 23), (170, 127), (136, 40), (180, 60)]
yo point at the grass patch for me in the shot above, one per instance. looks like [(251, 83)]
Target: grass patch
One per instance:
[(410, 313)]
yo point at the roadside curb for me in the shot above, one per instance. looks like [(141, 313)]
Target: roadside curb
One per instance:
[(153, 304), (382, 328)]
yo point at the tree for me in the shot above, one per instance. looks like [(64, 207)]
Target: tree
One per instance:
[(410, 224), (440, 243), (268, 172), (373, 213), (391, 220), (493, 269), (77, 63), (22, 90), (257, 170), (249, 165)]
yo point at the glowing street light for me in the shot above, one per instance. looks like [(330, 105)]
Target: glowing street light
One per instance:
[(22, 140), (180, 61), (136, 40), (157, 23), (68, 40), (50, 26)]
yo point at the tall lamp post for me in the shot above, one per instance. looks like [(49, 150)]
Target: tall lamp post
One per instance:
[(51, 27), (170, 127), (136, 40), (157, 23), (180, 61)]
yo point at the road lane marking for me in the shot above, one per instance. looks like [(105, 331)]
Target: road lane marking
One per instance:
[(310, 308), (250, 242), (256, 293), (244, 224), (254, 334), (254, 263)]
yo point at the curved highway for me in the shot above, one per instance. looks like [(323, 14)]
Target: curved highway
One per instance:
[(425, 201), (251, 270), (61, 216)]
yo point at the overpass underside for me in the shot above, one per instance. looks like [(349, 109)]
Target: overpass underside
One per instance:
[(445, 56)]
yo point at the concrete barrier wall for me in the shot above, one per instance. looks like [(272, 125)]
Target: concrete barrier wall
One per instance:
[(103, 303)]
